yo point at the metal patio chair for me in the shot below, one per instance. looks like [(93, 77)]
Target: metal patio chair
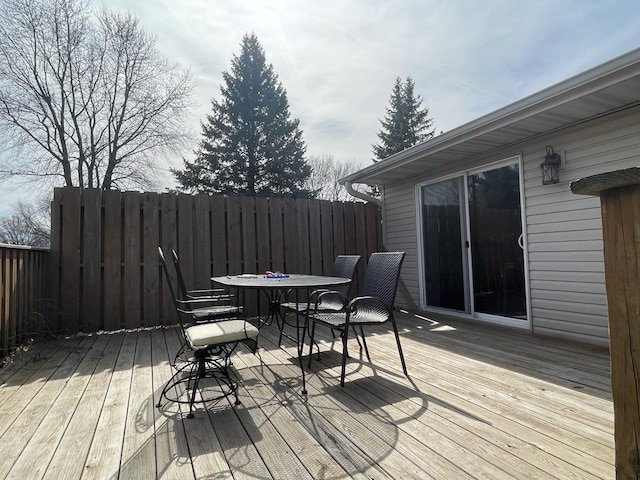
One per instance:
[(343, 266), (218, 301), (205, 354), (198, 310), (374, 306)]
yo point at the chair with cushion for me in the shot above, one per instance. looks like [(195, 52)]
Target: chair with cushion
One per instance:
[(218, 301), (207, 348), (201, 309), (374, 306)]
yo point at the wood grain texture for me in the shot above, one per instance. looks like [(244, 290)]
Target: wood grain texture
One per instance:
[(104, 250), (481, 402), (621, 230)]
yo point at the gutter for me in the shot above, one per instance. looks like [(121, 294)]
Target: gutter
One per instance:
[(362, 196)]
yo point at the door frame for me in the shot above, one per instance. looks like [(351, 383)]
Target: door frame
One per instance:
[(469, 312)]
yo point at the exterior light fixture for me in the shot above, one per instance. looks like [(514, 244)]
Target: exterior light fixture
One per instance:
[(550, 167)]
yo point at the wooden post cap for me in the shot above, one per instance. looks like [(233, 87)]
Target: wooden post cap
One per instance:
[(596, 184)]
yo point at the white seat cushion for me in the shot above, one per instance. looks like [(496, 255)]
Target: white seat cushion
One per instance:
[(216, 333)]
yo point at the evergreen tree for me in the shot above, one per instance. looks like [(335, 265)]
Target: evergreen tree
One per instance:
[(249, 145), (406, 122)]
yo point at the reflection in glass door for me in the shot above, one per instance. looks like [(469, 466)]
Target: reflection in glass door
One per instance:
[(495, 226), (472, 257), (443, 257)]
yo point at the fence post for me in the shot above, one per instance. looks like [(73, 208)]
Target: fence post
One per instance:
[(619, 194)]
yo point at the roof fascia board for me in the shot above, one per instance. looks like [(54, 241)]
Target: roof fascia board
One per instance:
[(610, 73)]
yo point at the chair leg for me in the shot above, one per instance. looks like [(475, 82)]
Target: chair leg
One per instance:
[(345, 337), (200, 374), (281, 328), (207, 364), (395, 330), (364, 344), (312, 335)]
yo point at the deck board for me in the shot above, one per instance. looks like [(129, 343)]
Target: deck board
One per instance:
[(481, 402)]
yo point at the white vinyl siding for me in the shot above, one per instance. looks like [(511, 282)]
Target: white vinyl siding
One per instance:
[(564, 231)]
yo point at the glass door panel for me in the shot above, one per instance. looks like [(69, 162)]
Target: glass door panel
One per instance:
[(495, 225), (443, 255)]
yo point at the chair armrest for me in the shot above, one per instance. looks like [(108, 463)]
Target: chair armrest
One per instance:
[(211, 291), (367, 305), (198, 302), (216, 293), (326, 294)]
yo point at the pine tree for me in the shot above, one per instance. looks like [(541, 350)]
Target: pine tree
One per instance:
[(406, 122), (249, 145)]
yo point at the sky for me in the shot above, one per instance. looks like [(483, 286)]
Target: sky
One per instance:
[(338, 59)]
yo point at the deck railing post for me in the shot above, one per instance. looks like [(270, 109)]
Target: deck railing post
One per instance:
[(619, 194)]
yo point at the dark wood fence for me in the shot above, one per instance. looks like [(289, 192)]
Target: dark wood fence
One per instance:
[(106, 271), (24, 294)]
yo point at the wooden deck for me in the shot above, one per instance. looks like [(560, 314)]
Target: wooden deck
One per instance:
[(482, 402)]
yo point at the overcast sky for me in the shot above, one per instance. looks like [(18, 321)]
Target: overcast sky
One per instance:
[(338, 59)]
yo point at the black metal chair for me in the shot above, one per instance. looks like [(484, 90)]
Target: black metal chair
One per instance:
[(218, 301), (202, 309), (344, 266), (208, 348), (374, 306)]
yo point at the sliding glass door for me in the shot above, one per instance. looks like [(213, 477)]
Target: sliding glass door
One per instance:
[(443, 255), (472, 249)]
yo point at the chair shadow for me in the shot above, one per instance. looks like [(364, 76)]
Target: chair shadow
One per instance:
[(176, 440)]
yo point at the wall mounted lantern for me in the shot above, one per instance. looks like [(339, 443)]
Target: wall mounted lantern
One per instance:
[(550, 167)]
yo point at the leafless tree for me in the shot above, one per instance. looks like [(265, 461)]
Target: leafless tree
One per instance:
[(28, 225), (86, 97), (325, 175)]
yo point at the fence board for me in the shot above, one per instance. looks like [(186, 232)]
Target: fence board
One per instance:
[(185, 235), (234, 226), (112, 251), (70, 285), (326, 231), (277, 234), (219, 235), (338, 228), (262, 235), (91, 268), (350, 228), (202, 244), (249, 258), (253, 304), (315, 238), (131, 280), (56, 245), (150, 267), (290, 233), (212, 234), (168, 241), (7, 282), (15, 260)]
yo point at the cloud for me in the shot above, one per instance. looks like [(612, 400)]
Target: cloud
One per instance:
[(338, 59)]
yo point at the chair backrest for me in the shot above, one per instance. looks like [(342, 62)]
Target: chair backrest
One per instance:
[(181, 285), (344, 266), (163, 262), (382, 275)]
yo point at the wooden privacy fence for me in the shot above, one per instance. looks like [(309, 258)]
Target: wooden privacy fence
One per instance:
[(106, 271), (24, 294)]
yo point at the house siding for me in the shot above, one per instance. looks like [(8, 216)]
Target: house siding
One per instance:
[(564, 231)]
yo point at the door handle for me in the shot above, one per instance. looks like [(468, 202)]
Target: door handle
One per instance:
[(520, 241)]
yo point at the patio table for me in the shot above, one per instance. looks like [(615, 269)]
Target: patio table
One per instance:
[(274, 288)]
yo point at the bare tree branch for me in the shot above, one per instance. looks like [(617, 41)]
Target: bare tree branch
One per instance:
[(325, 175), (86, 97)]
